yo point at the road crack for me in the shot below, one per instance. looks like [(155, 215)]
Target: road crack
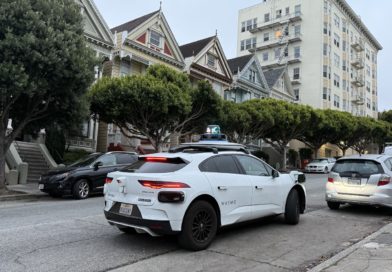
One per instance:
[(249, 259)]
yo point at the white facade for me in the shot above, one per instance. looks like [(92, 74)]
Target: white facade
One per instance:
[(331, 55)]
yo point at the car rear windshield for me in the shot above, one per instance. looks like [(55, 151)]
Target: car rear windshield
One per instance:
[(363, 168), (164, 166)]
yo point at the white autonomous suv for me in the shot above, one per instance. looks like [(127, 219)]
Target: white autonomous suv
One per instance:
[(197, 188)]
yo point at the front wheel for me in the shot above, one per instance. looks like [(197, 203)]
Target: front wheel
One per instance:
[(326, 171), (199, 226), (81, 189), (333, 205), (292, 211)]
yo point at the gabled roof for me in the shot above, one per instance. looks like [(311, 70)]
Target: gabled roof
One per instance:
[(273, 75), (129, 26), (194, 48), (238, 64)]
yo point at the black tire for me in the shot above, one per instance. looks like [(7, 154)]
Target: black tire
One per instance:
[(127, 230), (81, 189), (56, 195), (292, 210), (198, 227), (333, 205), (326, 170)]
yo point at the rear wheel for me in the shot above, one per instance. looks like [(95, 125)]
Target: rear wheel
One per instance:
[(292, 211), (199, 226), (333, 205), (81, 189), (127, 230)]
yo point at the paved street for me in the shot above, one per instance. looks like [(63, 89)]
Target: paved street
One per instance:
[(68, 235)]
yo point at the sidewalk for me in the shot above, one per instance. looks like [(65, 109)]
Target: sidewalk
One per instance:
[(374, 253), (23, 192)]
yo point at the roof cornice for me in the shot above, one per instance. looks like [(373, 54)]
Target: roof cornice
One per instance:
[(346, 7)]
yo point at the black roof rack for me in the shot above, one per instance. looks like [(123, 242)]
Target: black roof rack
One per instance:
[(208, 148)]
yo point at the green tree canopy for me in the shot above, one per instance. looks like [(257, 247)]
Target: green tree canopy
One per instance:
[(45, 66), (155, 105), (290, 122)]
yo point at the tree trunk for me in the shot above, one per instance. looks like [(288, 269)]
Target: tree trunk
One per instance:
[(315, 150), (2, 163), (284, 165)]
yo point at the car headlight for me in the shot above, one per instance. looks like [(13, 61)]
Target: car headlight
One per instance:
[(62, 176)]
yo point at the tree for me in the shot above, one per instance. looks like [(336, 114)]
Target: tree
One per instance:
[(345, 136), (45, 66), (364, 133), (290, 122), (323, 128), (156, 105)]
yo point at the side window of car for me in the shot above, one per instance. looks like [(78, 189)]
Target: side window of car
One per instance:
[(252, 166), (126, 158), (107, 160), (220, 164), (388, 163)]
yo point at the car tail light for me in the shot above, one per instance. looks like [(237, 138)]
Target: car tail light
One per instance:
[(163, 184), (108, 180), (384, 180), (330, 180), (156, 159)]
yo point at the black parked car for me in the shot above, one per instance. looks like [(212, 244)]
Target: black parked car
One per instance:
[(85, 176)]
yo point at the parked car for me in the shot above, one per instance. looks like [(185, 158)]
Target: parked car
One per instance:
[(85, 176), (196, 189), (321, 165), (362, 179)]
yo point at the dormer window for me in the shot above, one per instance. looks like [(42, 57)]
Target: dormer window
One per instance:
[(155, 39), (211, 60), (252, 76)]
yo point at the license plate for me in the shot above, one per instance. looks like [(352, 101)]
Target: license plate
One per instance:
[(41, 186), (354, 181), (126, 209)]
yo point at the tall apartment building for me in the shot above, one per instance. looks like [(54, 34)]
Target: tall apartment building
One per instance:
[(330, 53)]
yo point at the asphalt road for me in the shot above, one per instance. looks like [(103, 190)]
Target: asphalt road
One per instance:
[(69, 235)]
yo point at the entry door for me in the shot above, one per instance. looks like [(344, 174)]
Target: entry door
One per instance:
[(266, 198), (231, 189)]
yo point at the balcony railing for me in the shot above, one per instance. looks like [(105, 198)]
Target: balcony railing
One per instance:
[(358, 63), (292, 17), (295, 37), (358, 45), (358, 99), (358, 81)]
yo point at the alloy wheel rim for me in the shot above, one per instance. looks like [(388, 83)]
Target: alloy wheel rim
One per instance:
[(83, 189), (202, 226)]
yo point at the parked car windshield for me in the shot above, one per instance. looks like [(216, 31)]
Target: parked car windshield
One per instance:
[(143, 166), (364, 168), (319, 160), (85, 161)]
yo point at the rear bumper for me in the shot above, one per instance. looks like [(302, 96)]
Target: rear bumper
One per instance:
[(153, 227), (377, 199), (136, 220)]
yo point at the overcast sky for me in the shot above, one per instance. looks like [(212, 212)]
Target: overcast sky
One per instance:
[(191, 20)]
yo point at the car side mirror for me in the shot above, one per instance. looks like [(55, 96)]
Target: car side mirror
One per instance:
[(97, 165), (301, 178), (275, 174)]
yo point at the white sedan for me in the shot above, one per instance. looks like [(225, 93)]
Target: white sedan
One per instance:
[(322, 165), (197, 188)]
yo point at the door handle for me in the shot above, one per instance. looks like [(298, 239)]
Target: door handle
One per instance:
[(258, 188), (222, 188)]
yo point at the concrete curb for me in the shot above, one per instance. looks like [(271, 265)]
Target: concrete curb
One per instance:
[(22, 197), (341, 255)]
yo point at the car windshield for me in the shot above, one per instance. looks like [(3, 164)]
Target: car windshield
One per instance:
[(85, 161), (364, 168), (144, 165), (319, 160)]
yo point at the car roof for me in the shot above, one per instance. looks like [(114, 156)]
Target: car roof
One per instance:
[(375, 157), (192, 156)]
